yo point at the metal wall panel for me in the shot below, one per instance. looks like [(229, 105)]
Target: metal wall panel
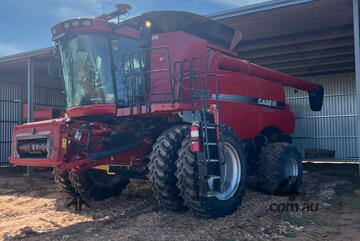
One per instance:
[(4, 153), (10, 111), (11, 98), (5, 141), (334, 126), (45, 97)]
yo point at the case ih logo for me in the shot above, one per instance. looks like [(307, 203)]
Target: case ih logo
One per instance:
[(250, 100), (271, 103)]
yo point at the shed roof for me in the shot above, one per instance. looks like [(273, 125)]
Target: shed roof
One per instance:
[(298, 37), (18, 62)]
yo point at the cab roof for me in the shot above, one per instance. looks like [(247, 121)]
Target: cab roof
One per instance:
[(171, 21)]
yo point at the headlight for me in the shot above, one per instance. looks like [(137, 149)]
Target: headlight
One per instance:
[(53, 31), (86, 23), (66, 25), (75, 23)]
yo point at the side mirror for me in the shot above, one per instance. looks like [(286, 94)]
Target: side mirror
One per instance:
[(145, 35), (51, 66), (145, 39)]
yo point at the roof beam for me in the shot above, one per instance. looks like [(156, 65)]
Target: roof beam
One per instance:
[(296, 48), (296, 38), (25, 55), (312, 62), (254, 8), (323, 68), (318, 66), (304, 55), (325, 73)]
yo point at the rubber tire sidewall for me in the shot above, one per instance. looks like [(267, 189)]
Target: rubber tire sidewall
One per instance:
[(210, 207), (84, 184), (162, 168), (283, 151), (63, 182)]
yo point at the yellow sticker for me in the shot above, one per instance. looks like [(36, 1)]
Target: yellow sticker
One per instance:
[(64, 143)]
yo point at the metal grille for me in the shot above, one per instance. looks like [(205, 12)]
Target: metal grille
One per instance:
[(332, 128)]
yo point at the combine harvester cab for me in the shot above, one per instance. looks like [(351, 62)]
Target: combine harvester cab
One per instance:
[(163, 97)]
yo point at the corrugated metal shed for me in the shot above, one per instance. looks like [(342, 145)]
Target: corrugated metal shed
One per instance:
[(332, 128), (314, 40), (49, 92)]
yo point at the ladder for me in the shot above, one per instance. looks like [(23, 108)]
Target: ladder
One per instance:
[(213, 143), (211, 128)]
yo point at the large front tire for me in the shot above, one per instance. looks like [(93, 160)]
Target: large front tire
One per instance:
[(233, 178), (280, 169), (96, 184), (162, 167), (61, 179)]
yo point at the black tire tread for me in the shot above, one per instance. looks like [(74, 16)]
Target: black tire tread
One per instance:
[(271, 165), (61, 179), (83, 184), (187, 175), (162, 167)]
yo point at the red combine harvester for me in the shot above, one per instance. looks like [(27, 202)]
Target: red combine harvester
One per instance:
[(163, 96)]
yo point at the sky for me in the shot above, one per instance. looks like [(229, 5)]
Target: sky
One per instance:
[(25, 24)]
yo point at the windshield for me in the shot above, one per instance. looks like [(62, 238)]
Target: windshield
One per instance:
[(86, 61)]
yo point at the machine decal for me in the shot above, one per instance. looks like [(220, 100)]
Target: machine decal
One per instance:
[(250, 100), (64, 143)]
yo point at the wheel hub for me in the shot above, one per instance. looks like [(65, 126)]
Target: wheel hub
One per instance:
[(292, 170), (230, 173)]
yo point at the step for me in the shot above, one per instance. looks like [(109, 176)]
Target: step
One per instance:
[(212, 177), (212, 194), (211, 143), (210, 127), (213, 160)]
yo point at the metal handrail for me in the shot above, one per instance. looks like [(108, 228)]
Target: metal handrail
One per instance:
[(134, 98)]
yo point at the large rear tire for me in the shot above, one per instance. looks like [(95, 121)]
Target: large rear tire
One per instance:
[(162, 167), (280, 170), (233, 178), (96, 184), (61, 179)]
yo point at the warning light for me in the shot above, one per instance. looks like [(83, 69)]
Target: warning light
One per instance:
[(147, 24)]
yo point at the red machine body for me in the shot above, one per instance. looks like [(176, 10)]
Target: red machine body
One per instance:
[(251, 99)]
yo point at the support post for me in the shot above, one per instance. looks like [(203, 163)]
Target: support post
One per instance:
[(30, 97), (357, 70)]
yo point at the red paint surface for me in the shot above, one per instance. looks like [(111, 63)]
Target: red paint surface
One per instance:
[(43, 113), (243, 66), (97, 26), (88, 110)]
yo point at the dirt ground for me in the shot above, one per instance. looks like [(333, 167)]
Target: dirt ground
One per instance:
[(31, 208)]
